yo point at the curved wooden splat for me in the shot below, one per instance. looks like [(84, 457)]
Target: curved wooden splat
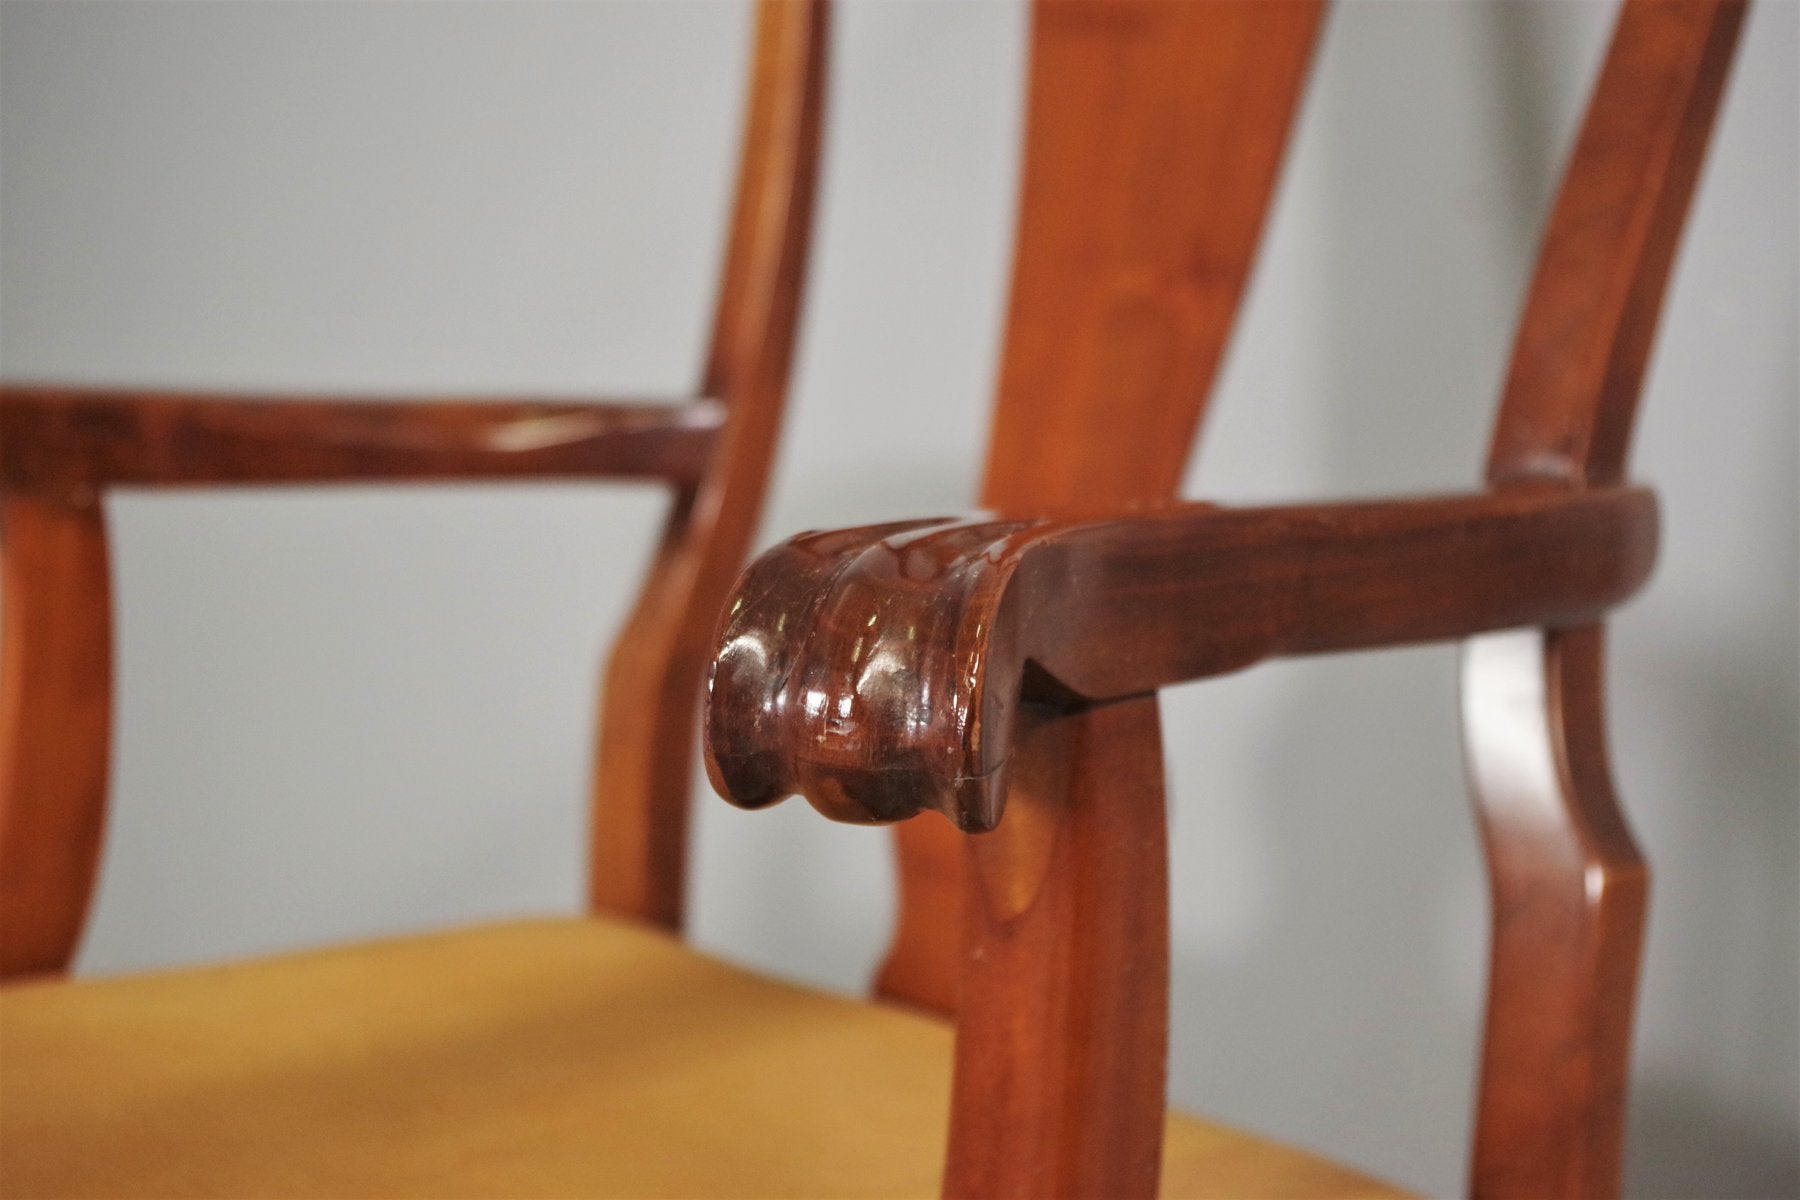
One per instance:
[(70, 441), (879, 672)]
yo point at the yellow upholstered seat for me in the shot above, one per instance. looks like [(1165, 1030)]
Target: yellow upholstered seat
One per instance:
[(578, 1057)]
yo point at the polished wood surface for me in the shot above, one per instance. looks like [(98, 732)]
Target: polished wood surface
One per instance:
[(61, 447), (1001, 670), (71, 441), (642, 781), (1154, 133), (1062, 1042), (1590, 319), (965, 666), (880, 672), (1569, 892)]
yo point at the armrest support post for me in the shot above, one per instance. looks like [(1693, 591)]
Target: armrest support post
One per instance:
[(55, 725), (1062, 1034)]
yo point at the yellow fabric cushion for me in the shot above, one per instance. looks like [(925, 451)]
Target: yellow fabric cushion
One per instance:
[(561, 1058)]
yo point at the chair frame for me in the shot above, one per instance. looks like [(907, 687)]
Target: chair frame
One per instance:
[(62, 448), (1002, 671), (1048, 626)]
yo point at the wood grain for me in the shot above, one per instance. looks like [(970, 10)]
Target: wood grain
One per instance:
[(880, 672), (1154, 135), (642, 778), (1063, 1038)]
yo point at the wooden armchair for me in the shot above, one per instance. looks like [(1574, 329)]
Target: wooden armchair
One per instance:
[(1000, 670)]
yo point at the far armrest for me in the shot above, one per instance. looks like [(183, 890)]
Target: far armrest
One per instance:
[(877, 671), (58, 440)]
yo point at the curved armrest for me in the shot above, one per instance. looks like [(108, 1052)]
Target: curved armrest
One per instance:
[(70, 441), (878, 671)]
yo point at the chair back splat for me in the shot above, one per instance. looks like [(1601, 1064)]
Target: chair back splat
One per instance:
[(1154, 136), (642, 792)]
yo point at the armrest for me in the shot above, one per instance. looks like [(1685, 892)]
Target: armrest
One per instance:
[(70, 441), (878, 671)]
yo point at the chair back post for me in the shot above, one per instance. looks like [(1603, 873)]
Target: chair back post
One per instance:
[(1569, 887), (650, 696)]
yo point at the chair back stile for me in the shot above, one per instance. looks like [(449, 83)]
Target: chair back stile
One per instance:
[(650, 698), (1569, 888)]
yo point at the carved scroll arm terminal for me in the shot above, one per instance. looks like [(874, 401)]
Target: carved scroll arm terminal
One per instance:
[(878, 671)]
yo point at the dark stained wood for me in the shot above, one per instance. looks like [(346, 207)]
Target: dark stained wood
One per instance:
[(642, 788), (1154, 133), (70, 441), (55, 722), (1062, 1044), (1569, 896), (880, 672), (1590, 319)]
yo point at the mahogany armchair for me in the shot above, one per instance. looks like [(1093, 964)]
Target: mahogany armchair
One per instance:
[(1000, 671)]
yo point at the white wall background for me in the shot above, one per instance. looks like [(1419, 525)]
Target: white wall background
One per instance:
[(356, 711)]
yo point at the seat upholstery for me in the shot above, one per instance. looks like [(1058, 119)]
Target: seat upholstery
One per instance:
[(572, 1057)]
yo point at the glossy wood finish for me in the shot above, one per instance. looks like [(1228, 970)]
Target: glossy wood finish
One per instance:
[(70, 441), (1569, 888), (1590, 319), (61, 447), (1062, 1044), (55, 724), (1569, 895), (1154, 134), (881, 672), (642, 782), (945, 664)]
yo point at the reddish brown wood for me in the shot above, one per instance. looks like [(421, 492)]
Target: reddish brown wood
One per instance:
[(1590, 320), (883, 671), (1154, 133), (55, 714), (1062, 1042), (880, 672), (1568, 885), (642, 789), (60, 446), (71, 441), (1569, 896)]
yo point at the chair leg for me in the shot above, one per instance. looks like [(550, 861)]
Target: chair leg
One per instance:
[(55, 725), (1569, 896), (1062, 1037)]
